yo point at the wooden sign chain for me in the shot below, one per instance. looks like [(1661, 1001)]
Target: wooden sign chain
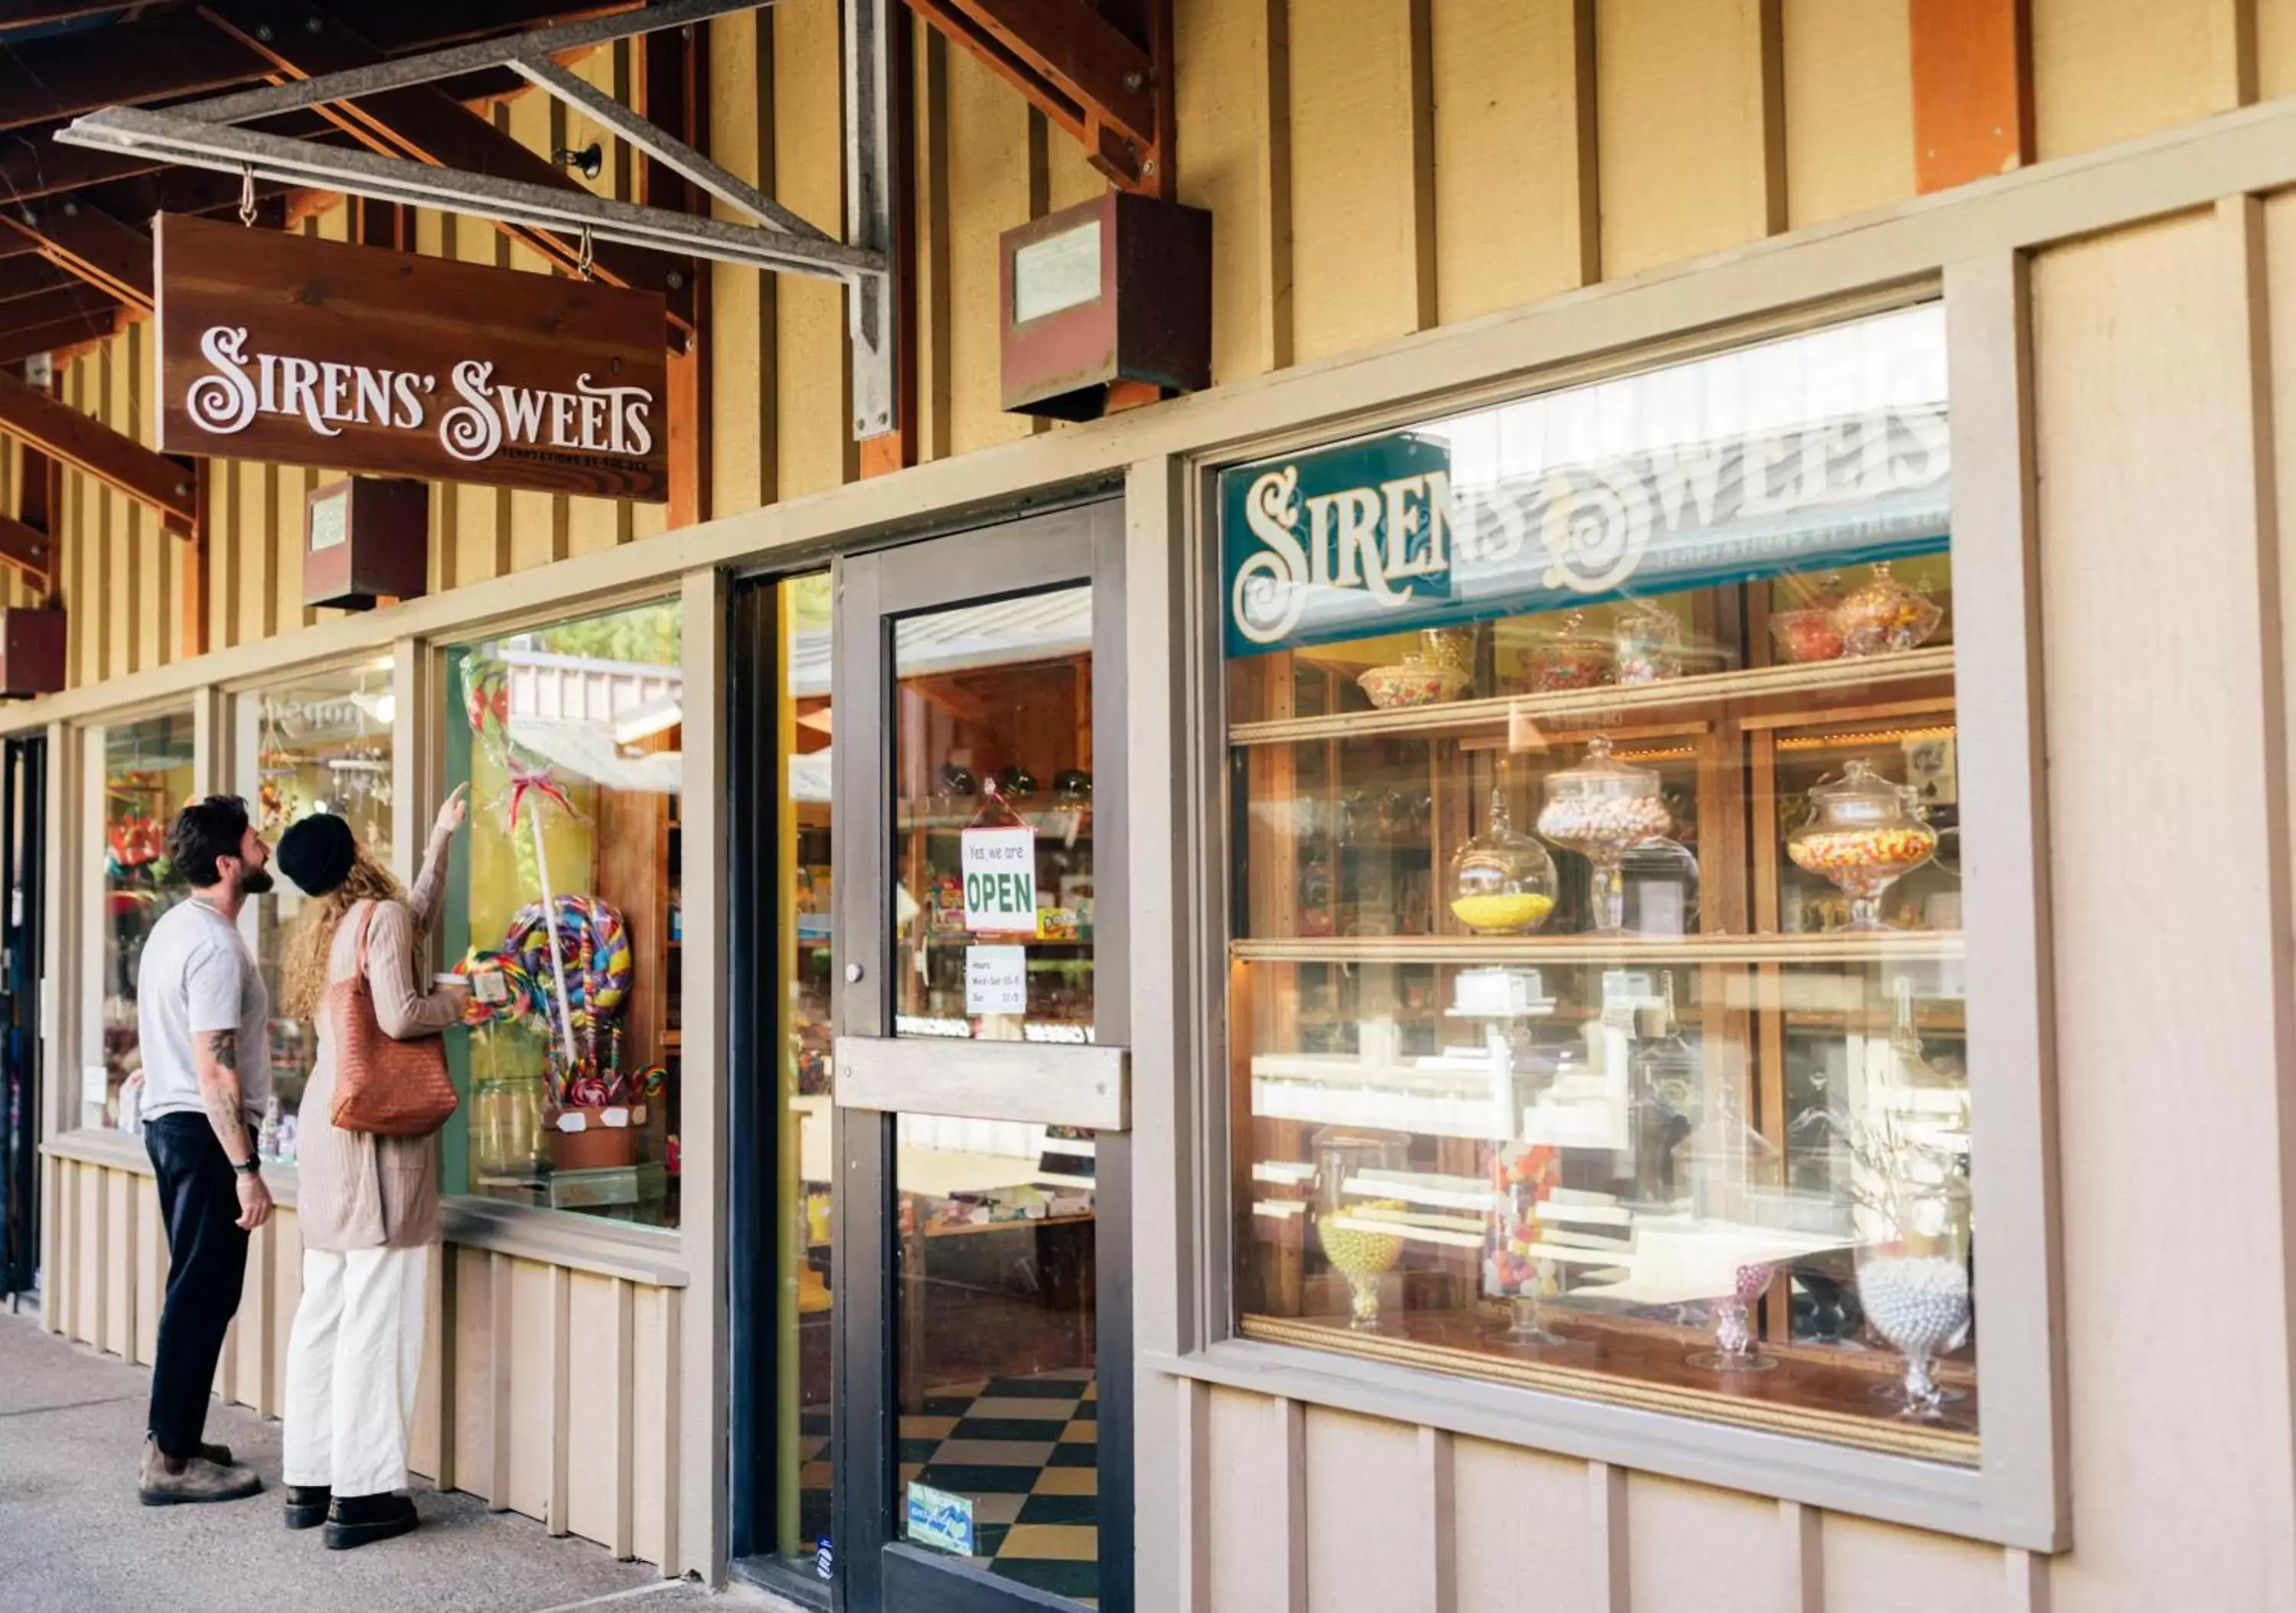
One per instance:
[(247, 194), (582, 264)]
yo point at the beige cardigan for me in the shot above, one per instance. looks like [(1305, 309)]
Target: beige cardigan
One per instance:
[(354, 1189)]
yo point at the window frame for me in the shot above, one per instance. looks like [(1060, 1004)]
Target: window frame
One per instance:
[(2016, 1493)]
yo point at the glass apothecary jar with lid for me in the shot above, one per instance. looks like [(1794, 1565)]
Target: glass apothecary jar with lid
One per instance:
[(1883, 616), (1602, 809), (1570, 655), (1648, 641), (1865, 833), (1503, 881)]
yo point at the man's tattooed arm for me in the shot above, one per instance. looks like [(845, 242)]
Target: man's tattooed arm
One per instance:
[(217, 1053)]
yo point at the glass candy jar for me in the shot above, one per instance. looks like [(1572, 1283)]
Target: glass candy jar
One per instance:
[(1865, 834), (1515, 1268), (1882, 614), (1602, 809), (1501, 881), (1570, 658), (1649, 644), (1347, 1211), (1914, 1286)]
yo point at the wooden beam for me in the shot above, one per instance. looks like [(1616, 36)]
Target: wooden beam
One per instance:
[(96, 450), (1078, 68), (63, 338), (64, 75), (1973, 68), (897, 450), (69, 301), (113, 256), (29, 276), (32, 13), (27, 549)]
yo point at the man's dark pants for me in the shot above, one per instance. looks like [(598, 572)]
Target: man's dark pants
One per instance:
[(199, 1200)]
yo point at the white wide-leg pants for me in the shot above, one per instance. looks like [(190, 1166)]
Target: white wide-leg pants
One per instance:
[(352, 1361)]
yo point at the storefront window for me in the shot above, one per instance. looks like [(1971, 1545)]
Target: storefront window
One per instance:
[(1597, 976), (563, 902), (319, 744), (147, 777)]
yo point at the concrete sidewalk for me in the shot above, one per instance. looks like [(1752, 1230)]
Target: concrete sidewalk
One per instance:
[(72, 1535)]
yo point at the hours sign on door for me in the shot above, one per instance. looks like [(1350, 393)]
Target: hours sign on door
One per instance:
[(1000, 881)]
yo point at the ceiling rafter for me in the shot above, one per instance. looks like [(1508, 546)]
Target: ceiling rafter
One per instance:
[(95, 449)]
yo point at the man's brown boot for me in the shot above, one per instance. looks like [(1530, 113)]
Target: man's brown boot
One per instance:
[(199, 1480)]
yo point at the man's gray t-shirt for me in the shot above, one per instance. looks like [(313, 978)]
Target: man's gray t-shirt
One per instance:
[(195, 975)]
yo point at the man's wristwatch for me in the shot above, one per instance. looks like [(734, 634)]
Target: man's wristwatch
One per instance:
[(248, 1166)]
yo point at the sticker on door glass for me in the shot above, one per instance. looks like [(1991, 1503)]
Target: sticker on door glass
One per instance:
[(1000, 881), (997, 979), (938, 1518)]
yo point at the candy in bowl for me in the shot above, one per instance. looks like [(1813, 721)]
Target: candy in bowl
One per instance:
[(1865, 834), (1602, 809), (1502, 880), (1414, 681), (1883, 615)]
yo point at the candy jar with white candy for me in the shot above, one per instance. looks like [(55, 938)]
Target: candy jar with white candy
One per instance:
[(1911, 1196), (1865, 834), (1602, 809)]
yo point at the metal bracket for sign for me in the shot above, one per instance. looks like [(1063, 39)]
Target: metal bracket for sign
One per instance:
[(203, 134)]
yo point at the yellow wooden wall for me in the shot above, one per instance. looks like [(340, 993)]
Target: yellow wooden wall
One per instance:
[(1374, 167)]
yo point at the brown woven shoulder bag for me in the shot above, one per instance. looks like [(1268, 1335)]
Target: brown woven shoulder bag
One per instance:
[(383, 1086)]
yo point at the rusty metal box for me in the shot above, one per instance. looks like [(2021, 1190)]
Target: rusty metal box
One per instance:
[(365, 539), (1113, 294)]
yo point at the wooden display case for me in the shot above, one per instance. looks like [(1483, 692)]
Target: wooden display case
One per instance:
[(1341, 920)]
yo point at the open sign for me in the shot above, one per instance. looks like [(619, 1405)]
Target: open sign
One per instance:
[(1000, 880)]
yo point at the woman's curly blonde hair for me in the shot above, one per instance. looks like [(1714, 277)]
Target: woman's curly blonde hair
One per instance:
[(303, 971)]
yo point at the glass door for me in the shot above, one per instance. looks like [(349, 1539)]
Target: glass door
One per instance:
[(980, 1075)]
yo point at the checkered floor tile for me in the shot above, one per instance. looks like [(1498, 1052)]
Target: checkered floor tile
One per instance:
[(1025, 1452)]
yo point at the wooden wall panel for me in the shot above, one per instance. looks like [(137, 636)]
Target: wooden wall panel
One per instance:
[(807, 367), (1694, 1550), (87, 1249), (1245, 1515), (1680, 106), (990, 190), (1848, 107), (108, 394), (1514, 1507), (657, 1374), (151, 1269), (1874, 1568), (2112, 69), (1516, 202), (286, 1295), (1362, 208), (424, 1444), (595, 1459), (1234, 94), (2138, 396), (740, 300), (529, 1342), (1364, 1495), (2276, 48), (119, 1250), (473, 1380)]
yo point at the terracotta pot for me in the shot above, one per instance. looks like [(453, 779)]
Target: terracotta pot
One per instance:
[(595, 1147)]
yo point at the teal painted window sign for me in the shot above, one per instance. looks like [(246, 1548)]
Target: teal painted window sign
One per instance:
[(1819, 450)]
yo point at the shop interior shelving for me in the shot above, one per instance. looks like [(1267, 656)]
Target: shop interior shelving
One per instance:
[(1736, 747)]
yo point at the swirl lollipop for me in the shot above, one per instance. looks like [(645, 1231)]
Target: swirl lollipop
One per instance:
[(501, 989)]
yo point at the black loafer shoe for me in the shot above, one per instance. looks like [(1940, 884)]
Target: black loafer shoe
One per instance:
[(306, 1505), (358, 1520)]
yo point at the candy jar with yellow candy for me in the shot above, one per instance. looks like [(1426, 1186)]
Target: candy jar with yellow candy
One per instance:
[(1883, 616), (1348, 1162), (1502, 880), (1865, 834)]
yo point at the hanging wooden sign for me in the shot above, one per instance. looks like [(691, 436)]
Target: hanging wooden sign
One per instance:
[(290, 348)]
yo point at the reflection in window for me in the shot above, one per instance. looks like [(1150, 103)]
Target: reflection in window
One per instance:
[(1597, 981), (319, 744), (147, 777), (563, 904)]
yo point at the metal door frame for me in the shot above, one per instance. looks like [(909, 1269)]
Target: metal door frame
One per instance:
[(23, 834), (877, 1572)]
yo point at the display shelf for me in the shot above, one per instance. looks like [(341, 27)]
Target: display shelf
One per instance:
[(1594, 951), (1705, 689)]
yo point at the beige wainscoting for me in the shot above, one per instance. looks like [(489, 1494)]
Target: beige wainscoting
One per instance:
[(550, 1375)]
